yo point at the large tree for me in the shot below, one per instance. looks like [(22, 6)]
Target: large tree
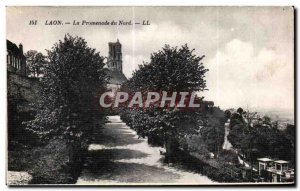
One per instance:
[(169, 69), (72, 81)]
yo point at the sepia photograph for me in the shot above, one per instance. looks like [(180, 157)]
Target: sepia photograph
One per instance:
[(150, 95)]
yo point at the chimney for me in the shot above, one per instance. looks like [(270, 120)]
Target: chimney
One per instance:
[(21, 48)]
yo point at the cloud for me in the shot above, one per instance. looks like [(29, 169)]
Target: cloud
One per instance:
[(248, 50), (139, 43), (239, 76)]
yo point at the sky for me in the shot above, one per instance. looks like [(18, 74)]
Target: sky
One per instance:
[(249, 51)]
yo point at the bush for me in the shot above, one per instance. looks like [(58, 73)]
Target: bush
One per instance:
[(228, 156), (52, 165), (219, 174), (20, 160)]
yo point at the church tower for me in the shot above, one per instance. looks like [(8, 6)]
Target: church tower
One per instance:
[(114, 64), (115, 56)]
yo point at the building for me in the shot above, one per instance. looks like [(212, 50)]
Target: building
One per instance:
[(115, 66), (115, 56), (275, 171), (15, 59), (22, 92), (263, 164), (280, 171)]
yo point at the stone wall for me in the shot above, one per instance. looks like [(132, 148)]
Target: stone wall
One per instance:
[(23, 91)]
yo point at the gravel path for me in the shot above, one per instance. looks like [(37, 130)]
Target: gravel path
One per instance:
[(118, 156)]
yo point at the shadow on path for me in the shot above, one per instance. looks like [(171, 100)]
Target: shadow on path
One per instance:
[(118, 156), (115, 135), (101, 165)]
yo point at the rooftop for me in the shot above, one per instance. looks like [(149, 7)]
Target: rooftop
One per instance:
[(265, 159), (281, 161), (14, 49), (116, 77)]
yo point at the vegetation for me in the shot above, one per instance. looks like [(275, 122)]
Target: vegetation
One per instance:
[(70, 86), (71, 81), (210, 137), (170, 69), (66, 110), (257, 136), (35, 63)]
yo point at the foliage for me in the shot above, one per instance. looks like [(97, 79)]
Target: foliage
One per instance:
[(71, 83), (20, 159), (240, 110), (169, 69), (228, 156), (51, 164), (35, 63), (67, 109), (260, 138), (195, 144), (48, 164), (213, 133), (223, 174), (19, 97), (227, 114), (290, 133), (210, 137)]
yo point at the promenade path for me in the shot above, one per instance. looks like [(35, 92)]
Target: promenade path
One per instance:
[(117, 156)]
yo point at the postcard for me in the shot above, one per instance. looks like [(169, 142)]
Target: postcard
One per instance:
[(130, 96)]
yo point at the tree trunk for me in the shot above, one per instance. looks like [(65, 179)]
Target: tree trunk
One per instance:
[(172, 147)]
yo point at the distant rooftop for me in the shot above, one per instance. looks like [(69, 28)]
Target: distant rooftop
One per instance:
[(281, 161), (116, 77), (265, 159)]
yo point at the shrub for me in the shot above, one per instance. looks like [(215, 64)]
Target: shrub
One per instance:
[(52, 164)]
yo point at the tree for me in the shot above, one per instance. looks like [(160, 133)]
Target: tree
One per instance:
[(227, 114), (36, 62), (169, 69), (240, 110), (71, 83), (290, 132), (262, 139)]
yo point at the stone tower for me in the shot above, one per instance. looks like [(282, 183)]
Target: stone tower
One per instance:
[(115, 56)]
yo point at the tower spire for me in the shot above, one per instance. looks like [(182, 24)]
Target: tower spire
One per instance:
[(115, 55)]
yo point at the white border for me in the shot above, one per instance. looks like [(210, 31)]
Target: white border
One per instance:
[(3, 94)]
